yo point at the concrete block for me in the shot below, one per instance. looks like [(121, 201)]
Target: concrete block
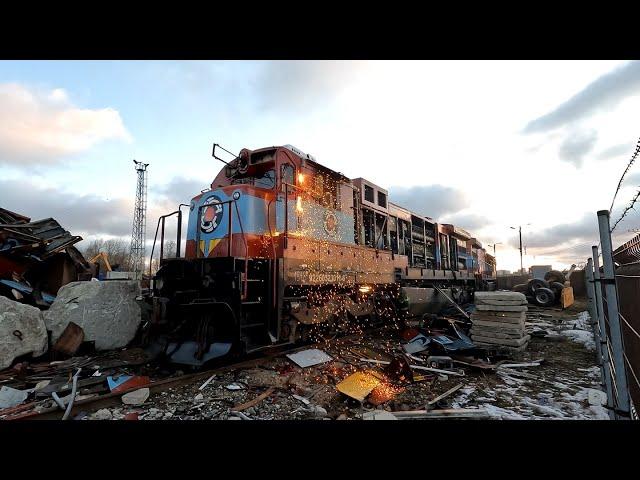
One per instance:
[(107, 312), (22, 331)]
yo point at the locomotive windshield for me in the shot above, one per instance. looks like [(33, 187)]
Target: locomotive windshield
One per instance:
[(266, 179)]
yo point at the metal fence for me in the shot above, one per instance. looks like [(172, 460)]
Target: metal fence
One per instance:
[(612, 294)]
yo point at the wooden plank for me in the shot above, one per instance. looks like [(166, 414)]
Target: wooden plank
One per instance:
[(445, 413), (445, 394), (70, 340), (255, 401)]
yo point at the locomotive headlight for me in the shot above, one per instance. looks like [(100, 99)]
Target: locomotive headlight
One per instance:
[(236, 195), (364, 289), (295, 307)]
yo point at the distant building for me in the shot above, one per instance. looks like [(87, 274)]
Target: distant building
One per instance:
[(502, 273), (538, 271)]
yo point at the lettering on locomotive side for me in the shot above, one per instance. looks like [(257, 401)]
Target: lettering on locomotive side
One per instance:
[(312, 277)]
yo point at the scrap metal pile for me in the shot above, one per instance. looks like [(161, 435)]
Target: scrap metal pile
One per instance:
[(37, 258)]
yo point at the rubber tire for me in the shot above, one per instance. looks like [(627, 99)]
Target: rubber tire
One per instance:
[(557, 288), (554, 276), (521, 287), (544, 297), (536, 283)]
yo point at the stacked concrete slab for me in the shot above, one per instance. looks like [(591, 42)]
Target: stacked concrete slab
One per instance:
[(498, 321)]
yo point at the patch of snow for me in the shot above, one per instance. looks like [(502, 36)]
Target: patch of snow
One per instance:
[(463, 397), (581, 336), (544, 409), (595, 373), (502, 413), (580, 331), (509, 380), (485, 399), (578, 404)]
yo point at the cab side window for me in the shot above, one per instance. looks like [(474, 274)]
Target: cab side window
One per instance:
[(287, 173)]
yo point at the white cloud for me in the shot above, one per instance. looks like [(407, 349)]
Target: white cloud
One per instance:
[(39, 126), (576, 145), (604, 93)]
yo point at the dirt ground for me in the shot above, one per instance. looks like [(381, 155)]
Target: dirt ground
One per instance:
[(558, 388)]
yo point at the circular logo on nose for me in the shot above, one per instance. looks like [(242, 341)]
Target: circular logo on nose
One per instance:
[(331, 223), (211, 214)]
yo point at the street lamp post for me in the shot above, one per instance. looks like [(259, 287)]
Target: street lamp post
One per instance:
[(494, 252), (520, 234)]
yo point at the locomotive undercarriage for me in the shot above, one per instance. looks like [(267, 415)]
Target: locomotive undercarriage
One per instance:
[(211, 307), (207, 308)]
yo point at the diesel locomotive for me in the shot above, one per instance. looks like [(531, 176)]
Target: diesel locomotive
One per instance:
[(281, 246)]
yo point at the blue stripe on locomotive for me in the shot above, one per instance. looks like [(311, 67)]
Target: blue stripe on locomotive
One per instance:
[(253, 212)]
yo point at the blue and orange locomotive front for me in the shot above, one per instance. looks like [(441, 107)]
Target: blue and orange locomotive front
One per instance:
[(281, 246)]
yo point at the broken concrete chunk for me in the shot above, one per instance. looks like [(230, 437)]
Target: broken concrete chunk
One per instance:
[(102, 414), (137, 397), (379, 415), (504, 296), (597, 397), (22, 331), (10, 397), (502, 317), (501, 326), (106, 311), (502, 308), (258, 377), (318, 411)]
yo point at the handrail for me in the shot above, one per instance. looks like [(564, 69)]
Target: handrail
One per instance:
[(246, 255), (161, 218), (178, 235)]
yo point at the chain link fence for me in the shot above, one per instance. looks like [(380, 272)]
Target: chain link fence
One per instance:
[(612, 293)]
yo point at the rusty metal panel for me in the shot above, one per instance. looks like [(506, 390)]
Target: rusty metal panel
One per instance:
[(628, 283), (566, 297)]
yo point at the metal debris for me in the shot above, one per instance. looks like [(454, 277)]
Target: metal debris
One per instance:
[(309, 358)]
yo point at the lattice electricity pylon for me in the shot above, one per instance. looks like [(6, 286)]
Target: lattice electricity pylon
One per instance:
[(138, 234)]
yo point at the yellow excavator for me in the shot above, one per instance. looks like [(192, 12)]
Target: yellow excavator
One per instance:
[(105, 260)]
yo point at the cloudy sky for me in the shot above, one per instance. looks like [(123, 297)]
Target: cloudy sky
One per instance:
[(482, 144)]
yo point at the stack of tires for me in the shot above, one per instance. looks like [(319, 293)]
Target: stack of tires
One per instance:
[(544, 293)]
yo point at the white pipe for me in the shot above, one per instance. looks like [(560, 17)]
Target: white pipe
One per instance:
[(74, 388)]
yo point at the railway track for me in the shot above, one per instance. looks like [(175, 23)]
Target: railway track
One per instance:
[(28, 411)]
